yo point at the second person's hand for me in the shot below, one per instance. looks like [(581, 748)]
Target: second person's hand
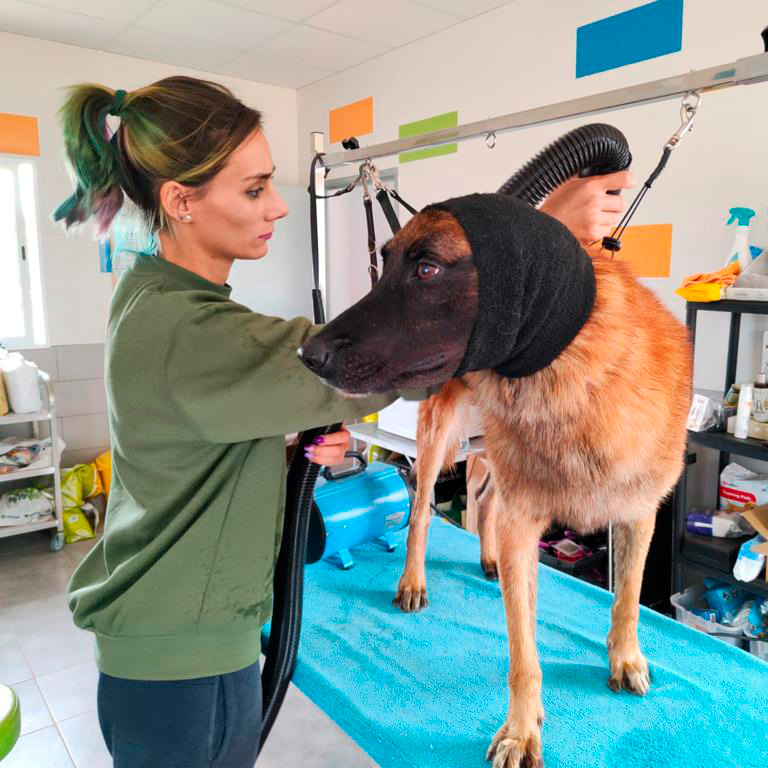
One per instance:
[(329, 450), (585, 206)]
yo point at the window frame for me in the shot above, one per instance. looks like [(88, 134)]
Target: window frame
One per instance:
[(31, 280)]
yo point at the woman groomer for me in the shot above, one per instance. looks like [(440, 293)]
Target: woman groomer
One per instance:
[(201, 392)]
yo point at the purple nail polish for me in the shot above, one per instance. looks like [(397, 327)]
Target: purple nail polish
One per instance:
[(319, 440)]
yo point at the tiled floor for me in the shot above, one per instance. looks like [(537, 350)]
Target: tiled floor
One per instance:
[(49, 662)]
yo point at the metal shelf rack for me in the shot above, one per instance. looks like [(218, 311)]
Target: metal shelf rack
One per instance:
[(722, 442), (48, 414)]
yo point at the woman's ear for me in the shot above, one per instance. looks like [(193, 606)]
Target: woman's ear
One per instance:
[(174, 200)]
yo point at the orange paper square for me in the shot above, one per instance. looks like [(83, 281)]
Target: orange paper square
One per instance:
[(351, 120), (18, 135), (649, 249)]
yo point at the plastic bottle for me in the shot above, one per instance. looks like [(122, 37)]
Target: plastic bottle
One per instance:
[(22, 384), (744, 411), (740, 250), (760, 399)]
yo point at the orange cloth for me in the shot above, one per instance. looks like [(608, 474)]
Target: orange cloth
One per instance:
[(725, 276)]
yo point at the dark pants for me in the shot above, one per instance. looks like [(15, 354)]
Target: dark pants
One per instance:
[(208, 722)]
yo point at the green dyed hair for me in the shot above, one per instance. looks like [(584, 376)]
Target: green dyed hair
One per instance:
[(177, 129)]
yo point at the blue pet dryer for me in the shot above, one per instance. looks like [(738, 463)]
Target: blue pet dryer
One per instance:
[(367, 503)]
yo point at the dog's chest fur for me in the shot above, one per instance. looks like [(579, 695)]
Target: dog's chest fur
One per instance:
[(601, 430)]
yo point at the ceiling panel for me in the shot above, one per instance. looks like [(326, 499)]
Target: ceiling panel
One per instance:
[(295, 10), (268, 69), (169, 49), (317, 48), (465, 8), (393, 23), (112, 10), (211, 22), (61, 26), (284, 42)]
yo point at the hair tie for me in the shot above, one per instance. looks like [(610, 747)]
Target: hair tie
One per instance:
[(117, 106)]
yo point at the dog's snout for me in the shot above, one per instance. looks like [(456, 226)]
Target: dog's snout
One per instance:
[(315, 354), (318, 353)]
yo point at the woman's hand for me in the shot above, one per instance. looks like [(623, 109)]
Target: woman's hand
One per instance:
[(584, 206), (329, 449)]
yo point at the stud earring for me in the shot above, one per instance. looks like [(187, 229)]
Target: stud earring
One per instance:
[(185, 217)]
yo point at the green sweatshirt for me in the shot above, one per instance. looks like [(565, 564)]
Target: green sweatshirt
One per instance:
[(201, 392)]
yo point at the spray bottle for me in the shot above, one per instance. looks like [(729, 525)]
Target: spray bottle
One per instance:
[(740, 250)]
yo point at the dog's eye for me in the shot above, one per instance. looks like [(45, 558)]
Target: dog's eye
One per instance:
[(426, 271)]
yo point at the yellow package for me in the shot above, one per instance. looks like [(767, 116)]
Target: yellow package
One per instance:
[(104, 465), (3, 397), (77, 527)]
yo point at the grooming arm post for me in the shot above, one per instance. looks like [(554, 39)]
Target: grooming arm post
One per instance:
[(318, 145), (751, 69)]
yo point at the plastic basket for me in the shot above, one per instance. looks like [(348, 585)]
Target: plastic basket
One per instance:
[(683, 602), (758, 648)]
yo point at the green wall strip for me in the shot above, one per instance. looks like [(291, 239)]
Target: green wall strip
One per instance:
[(429, 124)]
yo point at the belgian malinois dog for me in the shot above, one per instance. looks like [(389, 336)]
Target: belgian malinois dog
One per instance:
[(596, 436)]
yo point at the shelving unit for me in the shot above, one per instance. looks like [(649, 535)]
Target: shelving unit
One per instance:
[(369, 432), (46, 415), (722, 442)]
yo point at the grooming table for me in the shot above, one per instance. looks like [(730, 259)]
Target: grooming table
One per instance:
[(429, 690)]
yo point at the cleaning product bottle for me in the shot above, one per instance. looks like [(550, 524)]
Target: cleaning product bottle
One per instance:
[(740, 249), (760, 399), (744, 410)]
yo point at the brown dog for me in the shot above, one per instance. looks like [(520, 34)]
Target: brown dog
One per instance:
[(595, 437)]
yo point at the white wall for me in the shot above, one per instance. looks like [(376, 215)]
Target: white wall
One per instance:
[(523, 55), (34, 72)]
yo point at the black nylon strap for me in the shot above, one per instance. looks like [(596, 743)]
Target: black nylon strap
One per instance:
[(388, 210), (402, 202), (613, 243), (373, 269)]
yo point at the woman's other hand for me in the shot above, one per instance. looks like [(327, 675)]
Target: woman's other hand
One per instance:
[(329, 450), (585, 206)]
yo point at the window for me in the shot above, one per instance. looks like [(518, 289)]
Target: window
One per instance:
[(22, 317)]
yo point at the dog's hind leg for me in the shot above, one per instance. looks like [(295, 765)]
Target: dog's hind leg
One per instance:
[(441, 421), (629, 669), (487, 503), (518, 742)]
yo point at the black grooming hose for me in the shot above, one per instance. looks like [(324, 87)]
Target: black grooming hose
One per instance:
[(588, 151), (591, 150)]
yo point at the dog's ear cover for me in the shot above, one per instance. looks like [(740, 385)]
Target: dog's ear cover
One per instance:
[(536, 284)]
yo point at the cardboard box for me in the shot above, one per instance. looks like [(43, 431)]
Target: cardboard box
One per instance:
[(757, 517)]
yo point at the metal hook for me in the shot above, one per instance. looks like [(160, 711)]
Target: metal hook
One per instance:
[(688, 110), (490, 140), (366, 177)]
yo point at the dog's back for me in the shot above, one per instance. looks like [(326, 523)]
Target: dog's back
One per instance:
[(603, 427)]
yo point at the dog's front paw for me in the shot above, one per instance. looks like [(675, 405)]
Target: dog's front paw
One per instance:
[(516, 748), (411, 596), (490, 569), (630, 672)]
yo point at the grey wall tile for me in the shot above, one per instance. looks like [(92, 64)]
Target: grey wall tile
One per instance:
[(80, 361), (80, 456), (89, 431), (76, 398), (44, 358)]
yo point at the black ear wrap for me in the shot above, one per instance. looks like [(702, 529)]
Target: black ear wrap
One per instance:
[(536, 284)]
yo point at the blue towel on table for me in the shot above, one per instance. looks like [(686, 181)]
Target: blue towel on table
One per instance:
[(430, 689)]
